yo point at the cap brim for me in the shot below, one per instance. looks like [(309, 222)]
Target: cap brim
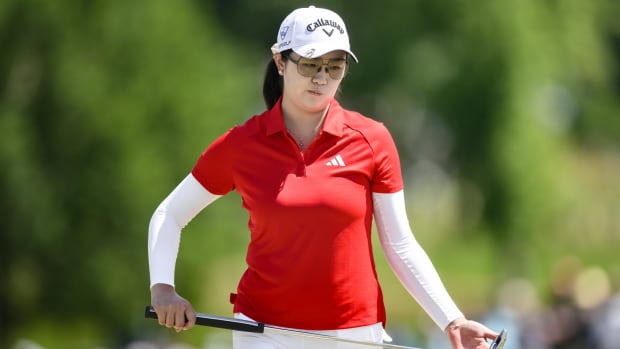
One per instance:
[(314, 50)]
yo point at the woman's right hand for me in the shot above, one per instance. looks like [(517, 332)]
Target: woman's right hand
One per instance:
[(172, 310)]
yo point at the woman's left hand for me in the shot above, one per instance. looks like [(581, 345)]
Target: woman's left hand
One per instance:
[(468, 334)]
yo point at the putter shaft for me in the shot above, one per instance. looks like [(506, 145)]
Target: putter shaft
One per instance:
[(258, 327)]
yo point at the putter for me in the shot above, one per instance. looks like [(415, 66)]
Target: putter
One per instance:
[(258, 327)]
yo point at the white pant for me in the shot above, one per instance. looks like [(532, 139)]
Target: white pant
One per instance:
[(277, 340)]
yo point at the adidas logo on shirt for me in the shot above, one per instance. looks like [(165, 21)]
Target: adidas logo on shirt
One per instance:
[(337, 161)]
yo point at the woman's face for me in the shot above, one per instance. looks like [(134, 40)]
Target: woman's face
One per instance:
[(311, 93)]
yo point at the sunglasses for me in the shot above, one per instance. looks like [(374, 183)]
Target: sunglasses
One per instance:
[(309, 67)]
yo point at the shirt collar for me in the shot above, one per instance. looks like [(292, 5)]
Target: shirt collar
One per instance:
[(333, 123)]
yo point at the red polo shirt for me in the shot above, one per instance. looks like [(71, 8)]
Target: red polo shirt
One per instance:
[(310, 261)]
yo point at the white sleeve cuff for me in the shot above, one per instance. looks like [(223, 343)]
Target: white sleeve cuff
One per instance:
[(409, 261), (170, 217)]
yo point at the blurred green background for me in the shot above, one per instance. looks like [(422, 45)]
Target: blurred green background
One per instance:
[(505, 112)]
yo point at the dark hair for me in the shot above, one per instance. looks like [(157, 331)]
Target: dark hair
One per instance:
[(273, 84)]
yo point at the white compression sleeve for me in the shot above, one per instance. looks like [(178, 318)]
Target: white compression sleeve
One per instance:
[(409, 261), (170, 217)]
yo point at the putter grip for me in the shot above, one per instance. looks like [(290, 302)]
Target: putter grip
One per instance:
[(218, 321)]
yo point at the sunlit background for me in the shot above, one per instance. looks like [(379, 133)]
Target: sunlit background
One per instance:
[(506, 114)]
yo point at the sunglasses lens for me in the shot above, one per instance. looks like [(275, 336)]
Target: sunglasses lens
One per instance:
[(309, 67), (337, 68)]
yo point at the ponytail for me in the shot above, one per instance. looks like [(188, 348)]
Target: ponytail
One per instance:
[(273, 84)]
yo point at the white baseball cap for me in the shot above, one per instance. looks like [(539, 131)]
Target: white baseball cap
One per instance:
[(312, 32)]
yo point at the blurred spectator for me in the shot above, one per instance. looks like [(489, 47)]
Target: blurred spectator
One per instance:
[(564, 326), (606, 326), (593, 295), (516, 300)]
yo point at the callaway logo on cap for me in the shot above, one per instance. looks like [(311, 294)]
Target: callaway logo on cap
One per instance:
[(312, 32)]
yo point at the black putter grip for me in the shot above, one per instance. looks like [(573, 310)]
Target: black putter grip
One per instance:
[(218, 321)]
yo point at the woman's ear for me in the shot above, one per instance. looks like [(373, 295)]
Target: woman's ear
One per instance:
[(279, 63)]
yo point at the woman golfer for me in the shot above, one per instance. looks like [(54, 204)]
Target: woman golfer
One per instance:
[(312, 175)]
